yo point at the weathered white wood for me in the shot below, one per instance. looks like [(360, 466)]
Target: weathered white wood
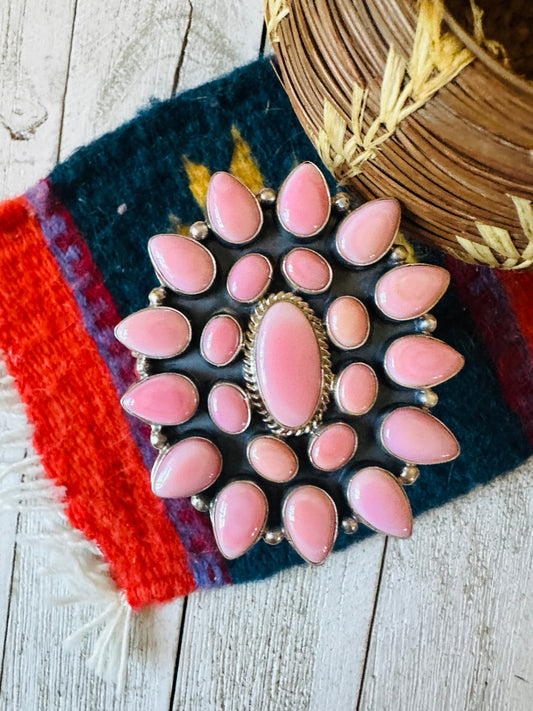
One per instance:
[(291, 643), (454, 627)]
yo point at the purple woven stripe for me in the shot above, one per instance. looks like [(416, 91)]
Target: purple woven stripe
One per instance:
[(99, 316)]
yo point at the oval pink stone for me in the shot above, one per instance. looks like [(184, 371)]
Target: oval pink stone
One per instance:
[(411, 290), (421, 361), (164, 399), (188, 467), (288, 365), (232, 209), (155, 332), (367, 234), (304, 202), (380, 502), (182, 263), (238, 517), (310, 522), (229, 408), (221, 340), (417, 437), (307, 270), (272, 458), (333, 447), (357, 389), (347, 322), (249, 278)]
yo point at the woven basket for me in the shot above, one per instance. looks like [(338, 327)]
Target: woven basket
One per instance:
[(431, 104)]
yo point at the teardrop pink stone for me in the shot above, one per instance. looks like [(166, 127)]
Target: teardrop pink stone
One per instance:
[(155, 332), (272, 458), (347, 322), (249, 277), (229, 408), (378, 499), (188, 467), (411, 290), (333, 447), (289, 370), (367, 234), (238, 517), (356, 389), (221, 340), (182, 263), (417, 437), (421, 361), (164, 399), (308, 270), (304, 202), (233, 211), (310, 522)]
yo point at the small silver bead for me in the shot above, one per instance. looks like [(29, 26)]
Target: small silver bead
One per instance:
[(267, 197), (409, 474), (199, 230), (398, 254), (157, 296), (200, 503), (427, 398), (426, 323), (142, 366), (349, 525), (274, 536), (341, 202), (157, 438)]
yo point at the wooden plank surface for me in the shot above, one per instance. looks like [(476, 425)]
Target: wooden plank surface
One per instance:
[(440, 622)]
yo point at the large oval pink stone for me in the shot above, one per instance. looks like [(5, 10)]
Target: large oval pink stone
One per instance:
[(417, 437), (380, 502), (356, 389), (229, 408), (188, 467), (347, 322), (164, 399), (367, 234), (307, 270), (333, 447), (249, 278), (289, 371), (232, 209), (304, 202), (421, 361), (411, 290), (272, 458), (310, 522), (182, 263), (238, 517), (221, 340), (155, 332)]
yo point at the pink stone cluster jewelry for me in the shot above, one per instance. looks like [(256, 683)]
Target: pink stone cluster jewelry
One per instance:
[(286, 366)]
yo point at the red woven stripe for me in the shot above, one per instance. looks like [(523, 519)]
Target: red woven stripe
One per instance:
[(80, 430), (519, 288)]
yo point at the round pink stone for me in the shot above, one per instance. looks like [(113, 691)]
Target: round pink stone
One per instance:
[(411, 290), (188, 467), (310, 522), (368, 233), (229, 408), (333, 447), (233, 211), (421, 361), (182, 263), (164, 399), (249, 278), (272, 458), (155, 332), (417, 437), (347, 322), (307, 270), (289, 370), (238, 517), (357, 389), (380, 502), (304, 202), (221, 340)]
